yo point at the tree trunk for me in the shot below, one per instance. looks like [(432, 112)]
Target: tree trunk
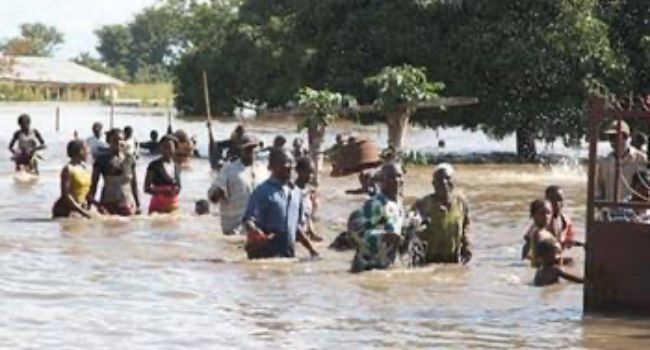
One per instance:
[(526, 149), (315, 137), (398, 122)]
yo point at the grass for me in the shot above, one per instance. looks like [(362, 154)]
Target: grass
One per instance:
[(148, 93)]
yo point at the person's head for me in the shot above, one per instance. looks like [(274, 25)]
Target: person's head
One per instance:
[(540, 212), (114, 138), (548, 251), (202, 207), (77, 150), (304, 170), (97, 129), (279, 141), (640, 186), (391, 180), (128, 132), (247, 149), (25, 122), (168, 146), (555, 196), (281, 164), (612, 136), (339, 139), (298, 143), (237, 133), (153, 135), (443, 179), (639, 140)]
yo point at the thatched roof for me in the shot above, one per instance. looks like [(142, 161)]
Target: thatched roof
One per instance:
[(47, 70)]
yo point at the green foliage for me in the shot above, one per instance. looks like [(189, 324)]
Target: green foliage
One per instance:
[(36, 39), (13, 92), (530, 63), (405, 85), (322, 106), (146, 47), (157, 93)]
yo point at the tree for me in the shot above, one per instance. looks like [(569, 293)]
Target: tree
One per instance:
[(399, 90), (149, 45), (115, 43), (86, 60), (36, 39), (322, 107), (532, 65)]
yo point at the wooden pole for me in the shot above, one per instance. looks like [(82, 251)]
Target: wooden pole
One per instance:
[(57, 119), (206, 95)]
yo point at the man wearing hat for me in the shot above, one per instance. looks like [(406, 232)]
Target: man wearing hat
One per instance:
[(631, 160), (446, 216), (234, 184)]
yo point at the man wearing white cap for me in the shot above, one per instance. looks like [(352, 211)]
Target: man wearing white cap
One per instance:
[(631, 160), (446, 216), (234, 185)]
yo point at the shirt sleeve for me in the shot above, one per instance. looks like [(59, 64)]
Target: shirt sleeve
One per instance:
[(252, 207)]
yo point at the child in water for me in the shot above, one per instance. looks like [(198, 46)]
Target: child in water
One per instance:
[(540, 212), (29, 142), (560, 225), (550, 270)]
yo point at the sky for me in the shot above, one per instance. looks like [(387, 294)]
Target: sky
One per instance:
[(77, 19)]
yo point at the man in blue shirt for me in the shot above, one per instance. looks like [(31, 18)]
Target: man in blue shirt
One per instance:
[(275, 214)]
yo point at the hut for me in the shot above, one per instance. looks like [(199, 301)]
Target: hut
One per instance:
[(56, 79)]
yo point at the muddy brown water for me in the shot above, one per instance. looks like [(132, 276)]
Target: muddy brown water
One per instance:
[(146, 282)]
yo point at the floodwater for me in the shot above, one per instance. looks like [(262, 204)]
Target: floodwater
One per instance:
[(148, 282)]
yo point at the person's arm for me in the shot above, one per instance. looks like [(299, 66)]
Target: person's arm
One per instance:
[(134, 188), (300, 233), (12, 143), (300, 237), (465, 248), (90, 197), (252, 213), (217, 191), (40, 140), (569, 276), (67, 196), (148, 189), (177, 177)]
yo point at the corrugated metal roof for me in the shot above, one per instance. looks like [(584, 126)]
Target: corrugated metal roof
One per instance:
[(29, 69)]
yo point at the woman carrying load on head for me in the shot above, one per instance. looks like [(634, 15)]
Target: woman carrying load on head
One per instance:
[(75, 183), (162, 181)]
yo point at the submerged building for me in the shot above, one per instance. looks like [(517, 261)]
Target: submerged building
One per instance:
[(56, 79)]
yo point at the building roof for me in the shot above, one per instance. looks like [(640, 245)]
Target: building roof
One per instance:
[(41, 70)]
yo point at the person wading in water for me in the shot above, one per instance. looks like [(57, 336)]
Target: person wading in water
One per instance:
[(163, 179), (29, 142), (75, 183), (274, 217), (120, 192), (377, 226), (447, 220)]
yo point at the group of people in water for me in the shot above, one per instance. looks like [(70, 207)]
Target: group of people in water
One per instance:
[(274, 206)]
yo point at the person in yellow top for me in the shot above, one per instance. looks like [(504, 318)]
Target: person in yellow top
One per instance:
[(446, 218), (75, 183)]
